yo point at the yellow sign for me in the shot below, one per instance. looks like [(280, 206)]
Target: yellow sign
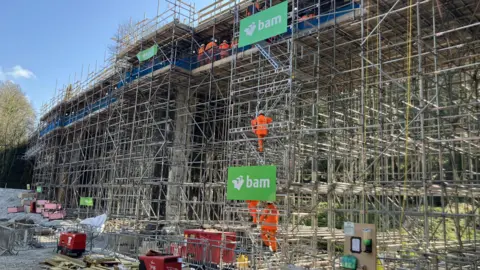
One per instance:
[(242, 262), (379, 265)]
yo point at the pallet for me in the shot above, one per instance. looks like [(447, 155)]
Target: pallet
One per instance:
[(92, 262)]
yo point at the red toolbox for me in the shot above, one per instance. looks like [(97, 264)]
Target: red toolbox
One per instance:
[(211, 246), (160, 262)]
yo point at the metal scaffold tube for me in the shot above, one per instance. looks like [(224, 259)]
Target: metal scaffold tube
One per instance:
[(374, 108)]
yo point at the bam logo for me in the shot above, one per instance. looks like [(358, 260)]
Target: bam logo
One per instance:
[(250, 183), (238, 183), (250, 29), (269, 23), (262, 25)]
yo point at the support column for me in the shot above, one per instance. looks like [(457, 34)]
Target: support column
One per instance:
[(179, 162)]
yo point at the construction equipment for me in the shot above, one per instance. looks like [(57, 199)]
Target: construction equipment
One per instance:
[(215, 248), (154, 260), (72, 243)]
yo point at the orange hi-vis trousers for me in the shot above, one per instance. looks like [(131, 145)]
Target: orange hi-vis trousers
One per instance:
[(259, 127), (260, 141), (269, 237)]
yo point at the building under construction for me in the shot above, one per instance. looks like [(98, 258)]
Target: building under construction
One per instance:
[(375, 107)]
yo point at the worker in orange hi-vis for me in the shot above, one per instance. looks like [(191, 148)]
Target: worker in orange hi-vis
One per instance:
[(252, 209), (210, 50), (224, 47), (200, 54), (269, 223), (254, 8), (306, 17), (260, 128)]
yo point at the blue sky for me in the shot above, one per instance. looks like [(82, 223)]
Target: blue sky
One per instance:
[(43, 42)]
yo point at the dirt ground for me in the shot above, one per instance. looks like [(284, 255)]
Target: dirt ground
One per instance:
[(26, 260)]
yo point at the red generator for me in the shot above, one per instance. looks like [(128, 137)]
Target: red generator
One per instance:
[(160, 262), (211, 247), (72, 243)]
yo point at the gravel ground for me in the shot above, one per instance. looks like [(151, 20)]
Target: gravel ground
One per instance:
[(26, 260)]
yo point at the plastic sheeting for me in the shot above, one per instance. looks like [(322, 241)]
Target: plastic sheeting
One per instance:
[(97, 223)]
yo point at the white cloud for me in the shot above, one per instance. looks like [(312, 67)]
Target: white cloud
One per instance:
[(19, 72)]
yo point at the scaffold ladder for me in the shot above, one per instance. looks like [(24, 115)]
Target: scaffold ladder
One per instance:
[(260, 159), (267, 56)]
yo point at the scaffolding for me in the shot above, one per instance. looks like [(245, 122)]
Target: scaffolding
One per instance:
[(375, 120)]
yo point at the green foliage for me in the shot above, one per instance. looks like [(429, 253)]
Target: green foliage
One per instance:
[(455, 229), (322, 217), (16, 120), (466, 225)]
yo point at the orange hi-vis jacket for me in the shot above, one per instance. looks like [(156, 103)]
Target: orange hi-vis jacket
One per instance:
[(224, 46), (210, 46), (269, 217), (252, 204), (306, 17), (259, 124), (201, 50), (224, 49), (252, 209)]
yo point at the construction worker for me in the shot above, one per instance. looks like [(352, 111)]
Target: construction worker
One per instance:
[(234, 43), (210, 49), (269, 223), (260, 128), (224, 47), (252, 209), (253, 8), (306, 17), (200, 54)]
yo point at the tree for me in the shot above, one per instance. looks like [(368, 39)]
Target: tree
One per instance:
[(17, 119)]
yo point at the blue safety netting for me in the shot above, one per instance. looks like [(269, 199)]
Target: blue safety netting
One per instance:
[(73, 117)]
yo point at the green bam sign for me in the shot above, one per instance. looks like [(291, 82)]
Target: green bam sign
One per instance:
[(86, 201), (148, 53), (39, 189), (265, 24), (252, 183)]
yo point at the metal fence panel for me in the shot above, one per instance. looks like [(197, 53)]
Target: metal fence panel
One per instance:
[(6, 235)]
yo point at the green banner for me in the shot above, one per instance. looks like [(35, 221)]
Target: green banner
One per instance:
[(39, 189), (252, 183), (148, 53), (86, 201), (265, 24)]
